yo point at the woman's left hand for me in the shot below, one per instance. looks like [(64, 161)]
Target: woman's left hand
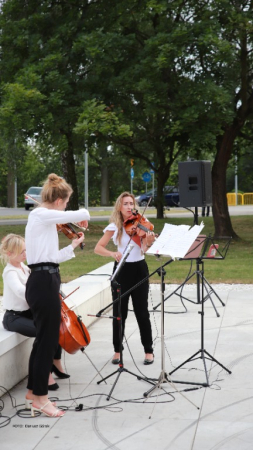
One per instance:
[(78, 241), (150, 237)]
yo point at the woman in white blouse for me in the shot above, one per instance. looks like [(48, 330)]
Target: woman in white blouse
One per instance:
[(43, 285), (18, 316), (133, 272)]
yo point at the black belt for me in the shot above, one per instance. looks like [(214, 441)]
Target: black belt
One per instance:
[(26, 313), (50, 269)]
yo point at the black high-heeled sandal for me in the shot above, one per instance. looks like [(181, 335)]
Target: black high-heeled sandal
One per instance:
[(58, 373), (53, 387)]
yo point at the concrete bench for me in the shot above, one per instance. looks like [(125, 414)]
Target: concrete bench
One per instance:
[(93, 294)]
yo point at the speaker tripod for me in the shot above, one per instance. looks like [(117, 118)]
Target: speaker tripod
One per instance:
[(199, 272), (203, 354)]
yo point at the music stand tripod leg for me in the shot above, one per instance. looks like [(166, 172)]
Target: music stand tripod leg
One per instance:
[(202, 351)]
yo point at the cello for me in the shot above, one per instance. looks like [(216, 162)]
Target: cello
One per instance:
[(73, 335)]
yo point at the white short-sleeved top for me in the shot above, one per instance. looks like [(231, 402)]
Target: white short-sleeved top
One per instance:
[(41, 236), (136, 253)]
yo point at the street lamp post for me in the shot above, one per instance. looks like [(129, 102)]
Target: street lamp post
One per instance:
[(86, 179)]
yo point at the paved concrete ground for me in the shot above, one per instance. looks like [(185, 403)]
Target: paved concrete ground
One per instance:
[(176, 416)]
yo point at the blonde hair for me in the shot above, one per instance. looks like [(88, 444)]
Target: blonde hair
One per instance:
[(12, 243), (55, 187), (116, 216)]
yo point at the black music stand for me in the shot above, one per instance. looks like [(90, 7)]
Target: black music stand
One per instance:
[(116, 286), (198, 252), (202, 352)]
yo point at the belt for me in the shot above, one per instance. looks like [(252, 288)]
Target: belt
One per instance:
[(26, 313), (50, 269)]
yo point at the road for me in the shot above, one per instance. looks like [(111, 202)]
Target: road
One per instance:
[(242, 210)]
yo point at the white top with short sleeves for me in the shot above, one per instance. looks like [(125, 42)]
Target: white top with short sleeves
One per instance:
[(136, 253)]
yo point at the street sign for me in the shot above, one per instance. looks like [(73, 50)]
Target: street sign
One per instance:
[(151, 170), (132, 173), (146, 177)]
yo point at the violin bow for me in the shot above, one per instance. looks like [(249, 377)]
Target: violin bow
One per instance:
[(144, 210)]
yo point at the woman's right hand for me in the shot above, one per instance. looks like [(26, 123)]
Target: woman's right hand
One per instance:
[(117, 256)]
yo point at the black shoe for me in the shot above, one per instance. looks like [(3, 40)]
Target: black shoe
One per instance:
[(116, 361), (147, 362), (53, 387), (58, 373)]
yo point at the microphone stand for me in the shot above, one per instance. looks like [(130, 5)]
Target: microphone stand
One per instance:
[(116, 285)]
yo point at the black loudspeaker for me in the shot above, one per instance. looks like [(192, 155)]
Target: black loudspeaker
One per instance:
[(195, 183)]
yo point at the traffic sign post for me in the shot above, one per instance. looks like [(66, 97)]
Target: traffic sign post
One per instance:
[(132, 177), (146, 177), (153, 179)]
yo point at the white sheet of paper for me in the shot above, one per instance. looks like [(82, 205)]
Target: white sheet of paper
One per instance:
[(175, 240)]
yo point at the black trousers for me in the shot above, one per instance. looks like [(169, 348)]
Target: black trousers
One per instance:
[(130, 274), (42, 296), (22, 323)]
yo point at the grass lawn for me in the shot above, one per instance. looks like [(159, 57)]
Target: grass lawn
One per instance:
[(237, 267)]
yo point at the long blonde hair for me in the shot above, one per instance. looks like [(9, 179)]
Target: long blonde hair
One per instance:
[(55, 187), (116, 216), (12, 243)]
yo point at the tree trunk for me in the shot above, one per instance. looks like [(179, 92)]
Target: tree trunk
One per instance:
[(69, 173), (222, 221)]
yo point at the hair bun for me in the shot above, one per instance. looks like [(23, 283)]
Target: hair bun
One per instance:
[(54, 179)]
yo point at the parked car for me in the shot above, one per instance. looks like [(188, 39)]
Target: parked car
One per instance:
[(142, 199), (171, 197), (35, 193)]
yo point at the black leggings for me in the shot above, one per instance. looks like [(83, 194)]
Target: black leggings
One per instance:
[(22, 323), (42, 295), (130, 274)]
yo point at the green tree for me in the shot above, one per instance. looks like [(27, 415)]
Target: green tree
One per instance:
[(181, 73), (40, 51)]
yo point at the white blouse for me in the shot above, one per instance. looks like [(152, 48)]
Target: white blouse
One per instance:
[(136, 253), (41, 237), (15, 280)]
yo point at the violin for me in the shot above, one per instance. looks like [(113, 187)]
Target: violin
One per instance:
[(137, 224), (70, 232), (65, 228), (74, 335)]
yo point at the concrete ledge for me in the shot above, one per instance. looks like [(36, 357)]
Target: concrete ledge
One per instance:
[(93, 294)]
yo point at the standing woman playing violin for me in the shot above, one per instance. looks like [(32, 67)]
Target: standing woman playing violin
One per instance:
[(133, 271), (43, 285)]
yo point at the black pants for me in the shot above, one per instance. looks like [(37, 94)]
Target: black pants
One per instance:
[(130, 274), (22, 323), (42, 295)]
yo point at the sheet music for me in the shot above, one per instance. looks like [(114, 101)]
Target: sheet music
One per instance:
[(175, 240)]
